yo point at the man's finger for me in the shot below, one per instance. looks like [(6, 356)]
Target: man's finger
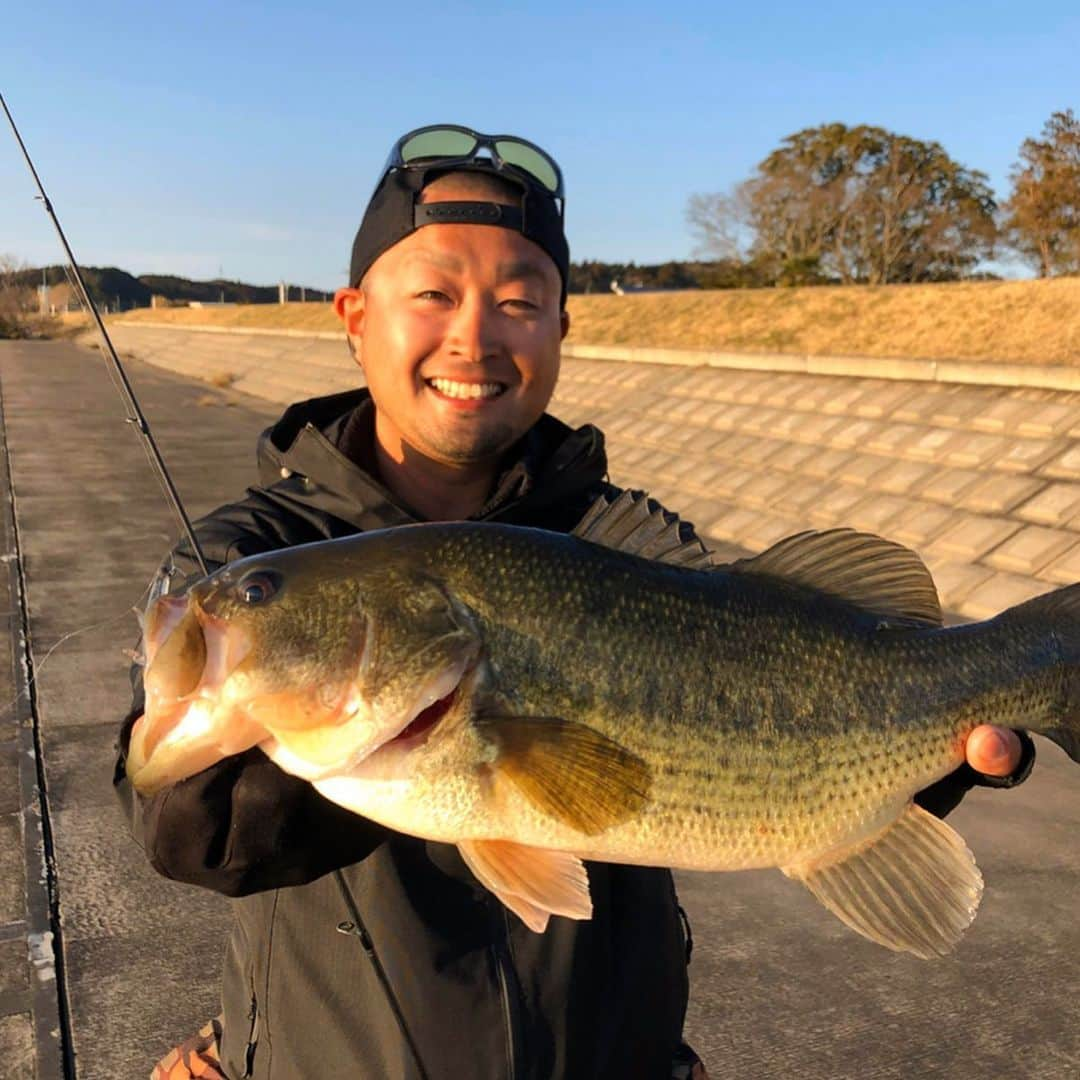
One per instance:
[(994, 751)]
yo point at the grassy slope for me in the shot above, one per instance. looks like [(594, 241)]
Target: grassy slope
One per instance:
[(1009, 321)]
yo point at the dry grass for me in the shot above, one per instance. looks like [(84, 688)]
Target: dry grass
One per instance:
[(1036, 322), (313, 317)]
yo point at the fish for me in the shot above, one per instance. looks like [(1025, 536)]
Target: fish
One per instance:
[(541, 700)]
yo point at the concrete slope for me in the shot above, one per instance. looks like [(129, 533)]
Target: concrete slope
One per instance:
[(982, 480)]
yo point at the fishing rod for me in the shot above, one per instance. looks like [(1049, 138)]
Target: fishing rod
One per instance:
[(135, 415)]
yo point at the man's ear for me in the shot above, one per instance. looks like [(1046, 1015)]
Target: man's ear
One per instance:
[(564, 324), (349, 308)]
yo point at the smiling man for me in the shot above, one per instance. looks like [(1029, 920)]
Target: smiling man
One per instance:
[(359, 952), (457, 329)]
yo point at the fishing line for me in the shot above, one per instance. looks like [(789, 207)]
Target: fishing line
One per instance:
[(35, 666), (135, 413)]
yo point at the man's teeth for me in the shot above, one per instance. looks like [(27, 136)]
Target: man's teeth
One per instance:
[(466, 390)]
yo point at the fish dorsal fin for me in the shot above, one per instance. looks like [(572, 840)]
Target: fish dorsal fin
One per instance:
[(638, 525), (876, 575)]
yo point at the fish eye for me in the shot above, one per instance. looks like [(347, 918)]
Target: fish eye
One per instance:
[(257, 587)]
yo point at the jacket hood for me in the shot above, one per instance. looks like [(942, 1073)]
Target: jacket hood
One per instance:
[(552, 469)]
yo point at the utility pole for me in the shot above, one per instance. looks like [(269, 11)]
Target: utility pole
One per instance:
[(282, 293)]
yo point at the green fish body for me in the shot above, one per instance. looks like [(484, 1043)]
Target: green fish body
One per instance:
[(540, 699)]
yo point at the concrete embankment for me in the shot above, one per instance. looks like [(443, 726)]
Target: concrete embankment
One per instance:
[(975, 466)]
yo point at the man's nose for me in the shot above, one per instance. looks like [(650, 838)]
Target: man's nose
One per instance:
[(474, 333)]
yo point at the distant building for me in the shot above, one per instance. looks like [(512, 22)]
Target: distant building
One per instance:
[(61, 298), (622, 290)]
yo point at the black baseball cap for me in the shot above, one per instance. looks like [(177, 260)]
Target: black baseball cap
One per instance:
[(395, 210)]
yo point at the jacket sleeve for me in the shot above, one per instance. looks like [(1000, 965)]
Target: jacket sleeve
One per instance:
[(944, 796), (242, 825)]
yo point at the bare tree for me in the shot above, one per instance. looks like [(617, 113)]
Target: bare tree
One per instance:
[(17, 300), (720, 223)]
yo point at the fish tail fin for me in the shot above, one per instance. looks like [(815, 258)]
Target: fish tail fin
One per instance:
[(1059, 612)]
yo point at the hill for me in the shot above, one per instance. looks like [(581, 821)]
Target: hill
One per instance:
[(111, 287)]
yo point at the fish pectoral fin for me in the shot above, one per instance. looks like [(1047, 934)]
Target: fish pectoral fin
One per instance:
[(572, 772), (912, 888), (532, 882)]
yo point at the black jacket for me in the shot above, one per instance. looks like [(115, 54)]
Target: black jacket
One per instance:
[(324, 968), (358, 952)]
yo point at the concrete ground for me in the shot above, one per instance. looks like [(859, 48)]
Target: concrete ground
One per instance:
[(780, 988)]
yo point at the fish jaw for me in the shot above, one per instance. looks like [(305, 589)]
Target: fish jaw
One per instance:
[(368, 729), (171, 746), (161, 619), (191, 720)]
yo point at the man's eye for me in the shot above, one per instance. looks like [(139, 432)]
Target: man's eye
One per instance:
[(520, 304), (431, 294)]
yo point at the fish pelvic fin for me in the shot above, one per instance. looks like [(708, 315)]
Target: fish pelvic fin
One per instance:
[(913, 887), (532, 882), (876, 575), (572, 772), (1058, 612)]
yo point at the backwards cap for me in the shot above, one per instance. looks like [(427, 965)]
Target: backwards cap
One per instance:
[(395, 211)]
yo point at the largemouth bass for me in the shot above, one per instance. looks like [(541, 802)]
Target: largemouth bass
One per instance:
[(540, 699)]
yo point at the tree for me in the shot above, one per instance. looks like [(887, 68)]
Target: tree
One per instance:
[(720, 223), (1043, 210), (860, 204), (17, 301)]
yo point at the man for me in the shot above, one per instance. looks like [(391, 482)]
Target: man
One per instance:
[(358, 952)]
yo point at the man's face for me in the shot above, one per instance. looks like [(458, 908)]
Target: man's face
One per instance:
[(457, 329)]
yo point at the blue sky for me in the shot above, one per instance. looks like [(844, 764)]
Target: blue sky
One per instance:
[(245, 138)]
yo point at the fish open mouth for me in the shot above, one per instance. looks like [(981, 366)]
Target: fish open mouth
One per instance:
[(416, 731)]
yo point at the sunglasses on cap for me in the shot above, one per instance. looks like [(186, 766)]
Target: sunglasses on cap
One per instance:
[(449, 145)]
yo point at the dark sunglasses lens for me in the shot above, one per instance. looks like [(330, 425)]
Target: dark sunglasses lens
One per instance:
[(435, 144), (532, 161)]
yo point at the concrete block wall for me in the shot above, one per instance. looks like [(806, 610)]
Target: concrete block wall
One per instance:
[(982, 479)]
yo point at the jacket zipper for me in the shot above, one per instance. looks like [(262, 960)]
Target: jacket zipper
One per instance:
[(356, 928), (252, 1039), (508, 990)]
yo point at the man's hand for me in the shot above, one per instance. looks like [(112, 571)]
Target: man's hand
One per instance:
[(994, 751)]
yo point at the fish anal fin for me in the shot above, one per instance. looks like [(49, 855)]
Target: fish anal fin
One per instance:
[(571, 772), (877, 575), (532, 882), (912, 888)]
